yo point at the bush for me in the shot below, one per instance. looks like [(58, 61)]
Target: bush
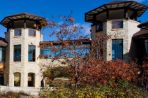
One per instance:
[(13, 95), (95, 79), (96, 71), (125, 90), (56, 72)]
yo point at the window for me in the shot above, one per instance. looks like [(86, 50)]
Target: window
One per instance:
[(1, 79), (68, 51), (146, 47), (2, 54), (31, 53), (117, 24), (17, 52), (32, 32), (17, 79), (117, 49), (31, 79), (17, 32), (99, 27)]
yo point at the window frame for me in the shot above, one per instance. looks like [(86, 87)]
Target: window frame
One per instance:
[(80, 50), (117, 25), (31, 32), (31, 83), (2, 54), (33, 58), (19, 82), (146, 47), (99, 26), (14, 57), (115, 58), (16, 33)]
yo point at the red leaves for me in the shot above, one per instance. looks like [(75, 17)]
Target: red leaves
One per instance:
[(96, 71)]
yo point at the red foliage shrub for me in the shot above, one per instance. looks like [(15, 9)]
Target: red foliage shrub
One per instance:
[(97, 71)]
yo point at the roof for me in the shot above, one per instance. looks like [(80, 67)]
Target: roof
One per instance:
[(44, 44), (114, 5), (7, 19), (143, 25), (3, 42), (141, 34)]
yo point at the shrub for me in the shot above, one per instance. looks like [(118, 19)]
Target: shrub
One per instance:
[(96, 71), (13, 95), (56, 72), (125, 90)]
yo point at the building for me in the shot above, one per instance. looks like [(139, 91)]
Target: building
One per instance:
[(119, 21), (140, 44), (23, 37), (23, 48)]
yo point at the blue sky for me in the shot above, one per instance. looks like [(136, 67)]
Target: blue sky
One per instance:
[(49, 8)]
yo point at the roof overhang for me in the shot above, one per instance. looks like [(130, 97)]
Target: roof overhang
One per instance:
[(143, 25), (44, 44), (3, 42), (141, 34), (42, 21), (140, 8)]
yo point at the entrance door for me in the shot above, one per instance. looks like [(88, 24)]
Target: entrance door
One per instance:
[(117, 49)]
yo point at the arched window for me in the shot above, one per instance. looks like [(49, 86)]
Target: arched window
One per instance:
[(31, 79), (17, 79)]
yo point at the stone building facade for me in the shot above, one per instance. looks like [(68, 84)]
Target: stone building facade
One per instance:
[(119, 21), (21, 62), (23, 41)]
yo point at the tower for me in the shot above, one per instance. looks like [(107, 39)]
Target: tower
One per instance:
[(118, 20), (23, 36)]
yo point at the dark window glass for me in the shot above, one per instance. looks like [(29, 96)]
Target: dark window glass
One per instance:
[(17, 32), (146, 47), (117, 24), (117, 49), (99, 27), (17, 52), (31, 53), (31, 80), (1, 79), (2, 54), (32, 32), (17, 79)]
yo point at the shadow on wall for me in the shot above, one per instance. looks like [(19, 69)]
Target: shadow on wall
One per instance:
[(138, 50)]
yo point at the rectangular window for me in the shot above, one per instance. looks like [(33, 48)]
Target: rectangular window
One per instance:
[(17, 32), (146, 47), (1, 79), (99, 27), (117, 49), (2, 54), (117, 24), (32, 32), (45, 52), (17, 52), (31, 53)]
